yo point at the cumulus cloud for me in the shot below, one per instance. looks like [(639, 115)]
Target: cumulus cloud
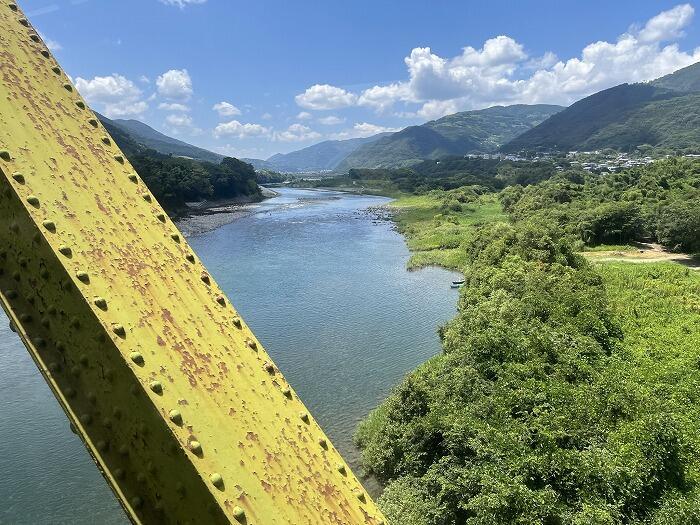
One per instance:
[(116, 95), (501, 72), (304, 115), (362, 129), (297, 133), (175, 84), (266, 116), (226, 109), (324, 96), (179, 120), (239, 130), (182, 3), (174, 106), (331, 120)]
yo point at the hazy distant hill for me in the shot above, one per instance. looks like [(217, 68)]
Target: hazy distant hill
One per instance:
[(469, 131), (664, 113), (149, 137), (323, 156)]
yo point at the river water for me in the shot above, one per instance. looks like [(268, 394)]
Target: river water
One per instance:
[(320, 280)]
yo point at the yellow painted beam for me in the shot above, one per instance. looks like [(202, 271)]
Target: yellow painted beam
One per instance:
[(181, 408)]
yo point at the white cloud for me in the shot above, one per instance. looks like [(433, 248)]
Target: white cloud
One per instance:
[(182, 3), (235, 128), (174, 106), (266, 116), (304, 115), (324, 96), (331, 120), (362, 129), (501, 72), (226, 109), (116, 95), (175, 84), (144, 79), (179, 120), (296, 133), (667, 25)]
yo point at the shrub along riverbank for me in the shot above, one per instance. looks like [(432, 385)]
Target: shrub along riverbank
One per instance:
[(566, 393)]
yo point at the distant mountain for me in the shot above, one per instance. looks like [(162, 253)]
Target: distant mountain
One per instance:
[(664, 113), (483, 131), (149, 137), (324, 156)]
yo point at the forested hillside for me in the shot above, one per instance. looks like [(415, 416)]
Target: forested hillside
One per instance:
[(175, 181), (481, 131), (663, 114)]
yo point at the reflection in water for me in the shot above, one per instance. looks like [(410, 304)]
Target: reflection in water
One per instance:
[(325, 289)]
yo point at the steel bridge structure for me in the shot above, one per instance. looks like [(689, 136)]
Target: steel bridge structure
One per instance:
[(177, 402)]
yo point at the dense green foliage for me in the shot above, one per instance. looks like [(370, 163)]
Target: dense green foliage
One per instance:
[(469, 131), (175, 181), (656, 202), (566, 393), (448, 173), (663, 115)]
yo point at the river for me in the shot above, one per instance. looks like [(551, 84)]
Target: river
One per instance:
[(321, 281)]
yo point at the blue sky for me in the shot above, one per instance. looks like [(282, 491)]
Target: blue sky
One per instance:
[(252, 78)]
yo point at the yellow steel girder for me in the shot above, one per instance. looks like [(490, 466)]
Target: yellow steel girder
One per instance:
[(181, 408)]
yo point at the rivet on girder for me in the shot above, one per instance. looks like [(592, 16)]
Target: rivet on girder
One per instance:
[(221, 300), (5, 155), (239, 514), (101, 303), (45, 53), (106, 140), (13, 7), (161, 217), (360, 495), (237, 322), (119, 330), (13, 327), (269, 367), (175, 237), (147, 197), (67, 87), (304, 417), (35, 37), (18, 177), (342, 469), (137, 358), (287, 393), (83, 277), (190, 257), (217, 480), (196, 447), (24, 22), (65, 250), (80, 104), (205, 278), (56, 70), (133, 178), (251, 344), (119, 159), (156, 386), (323, 444), (93, 122), (175, 417), (50, 225), (33, 200)]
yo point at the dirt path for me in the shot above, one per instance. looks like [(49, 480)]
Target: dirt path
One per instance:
[(645, 253)]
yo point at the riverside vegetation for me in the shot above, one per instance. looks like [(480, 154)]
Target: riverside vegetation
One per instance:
[(566, 392)]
